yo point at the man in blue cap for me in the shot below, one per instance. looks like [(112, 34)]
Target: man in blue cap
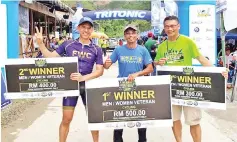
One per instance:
[(88, 54)]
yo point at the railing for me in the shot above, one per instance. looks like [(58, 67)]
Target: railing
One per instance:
[(28, 46)]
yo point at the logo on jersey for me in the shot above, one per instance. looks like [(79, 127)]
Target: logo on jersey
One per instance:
[(81, 54), (174, 56), (130, 59)]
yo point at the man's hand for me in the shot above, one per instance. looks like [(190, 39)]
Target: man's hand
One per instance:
[(108, 63), (131, 77), (225, 73), (76, 76), (161, 62), (39, 35)]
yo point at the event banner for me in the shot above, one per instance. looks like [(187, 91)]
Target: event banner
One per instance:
[(202, 87), (202, 30), (115, 103), (41, 78)]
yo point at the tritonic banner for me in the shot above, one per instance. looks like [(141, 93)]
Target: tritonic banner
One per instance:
[(202, 87), (40, 78), (117, 104), (118, 14)]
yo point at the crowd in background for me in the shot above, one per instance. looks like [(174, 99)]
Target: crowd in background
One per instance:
[(55, 42), (231, 61), (151, 42)]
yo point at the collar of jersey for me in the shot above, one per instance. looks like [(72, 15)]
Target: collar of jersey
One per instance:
[(86, 45)]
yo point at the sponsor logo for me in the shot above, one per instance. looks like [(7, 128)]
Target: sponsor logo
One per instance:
[(203, 13), (189, 103), (116, 125), (40, 63), (46, 94), (196, 22), (208, 38), (196, 29), (147, 123), (138, 124), (188, 71), (195, 103), (197, 39), (110, 125), (209, 30), (120, 14), (131, 124), (125, 85)]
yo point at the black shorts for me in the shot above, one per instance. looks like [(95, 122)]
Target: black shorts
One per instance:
[(72, 101)]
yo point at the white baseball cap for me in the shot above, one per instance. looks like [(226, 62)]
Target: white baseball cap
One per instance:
[(235, 53)]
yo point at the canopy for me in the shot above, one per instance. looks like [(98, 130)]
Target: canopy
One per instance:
[(99, 35), (230, 35)]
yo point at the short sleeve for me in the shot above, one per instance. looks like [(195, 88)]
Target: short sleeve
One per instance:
[(61, 49), (99, 57), (158, 54), (147, 57), (114, 56), (194, 49)]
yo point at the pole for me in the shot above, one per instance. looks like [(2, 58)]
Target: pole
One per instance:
[(234, 90), (222, 33)]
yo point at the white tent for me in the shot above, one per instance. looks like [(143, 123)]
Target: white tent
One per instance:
[(230, 16)]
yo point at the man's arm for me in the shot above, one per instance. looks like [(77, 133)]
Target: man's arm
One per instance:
[(97, 73), (204, 61), (99, 67), (147, 70), (107, 63), (39, 40), (148, 62), (112, 59), (46, 53)]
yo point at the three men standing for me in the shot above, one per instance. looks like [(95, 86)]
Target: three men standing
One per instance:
[(178, 50)]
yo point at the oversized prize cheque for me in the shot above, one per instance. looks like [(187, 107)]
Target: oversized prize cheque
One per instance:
[(115, 103), (202, 87), (41, 77)]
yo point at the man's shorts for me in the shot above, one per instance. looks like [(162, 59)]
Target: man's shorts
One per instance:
[(192, 115), (71, 102)]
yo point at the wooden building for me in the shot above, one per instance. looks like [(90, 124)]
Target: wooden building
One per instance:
[(41, 14)]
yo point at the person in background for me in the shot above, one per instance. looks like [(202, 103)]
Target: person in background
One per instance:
[(228, 59), (163, 39), (61, 40), (150, 41), (104, 45), (53, 43), (151, 46), (120, 42), (140, 42)]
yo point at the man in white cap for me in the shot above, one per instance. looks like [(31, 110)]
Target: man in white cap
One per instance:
[(131, 58)]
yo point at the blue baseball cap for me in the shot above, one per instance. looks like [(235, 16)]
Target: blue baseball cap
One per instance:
[(86, 19)]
